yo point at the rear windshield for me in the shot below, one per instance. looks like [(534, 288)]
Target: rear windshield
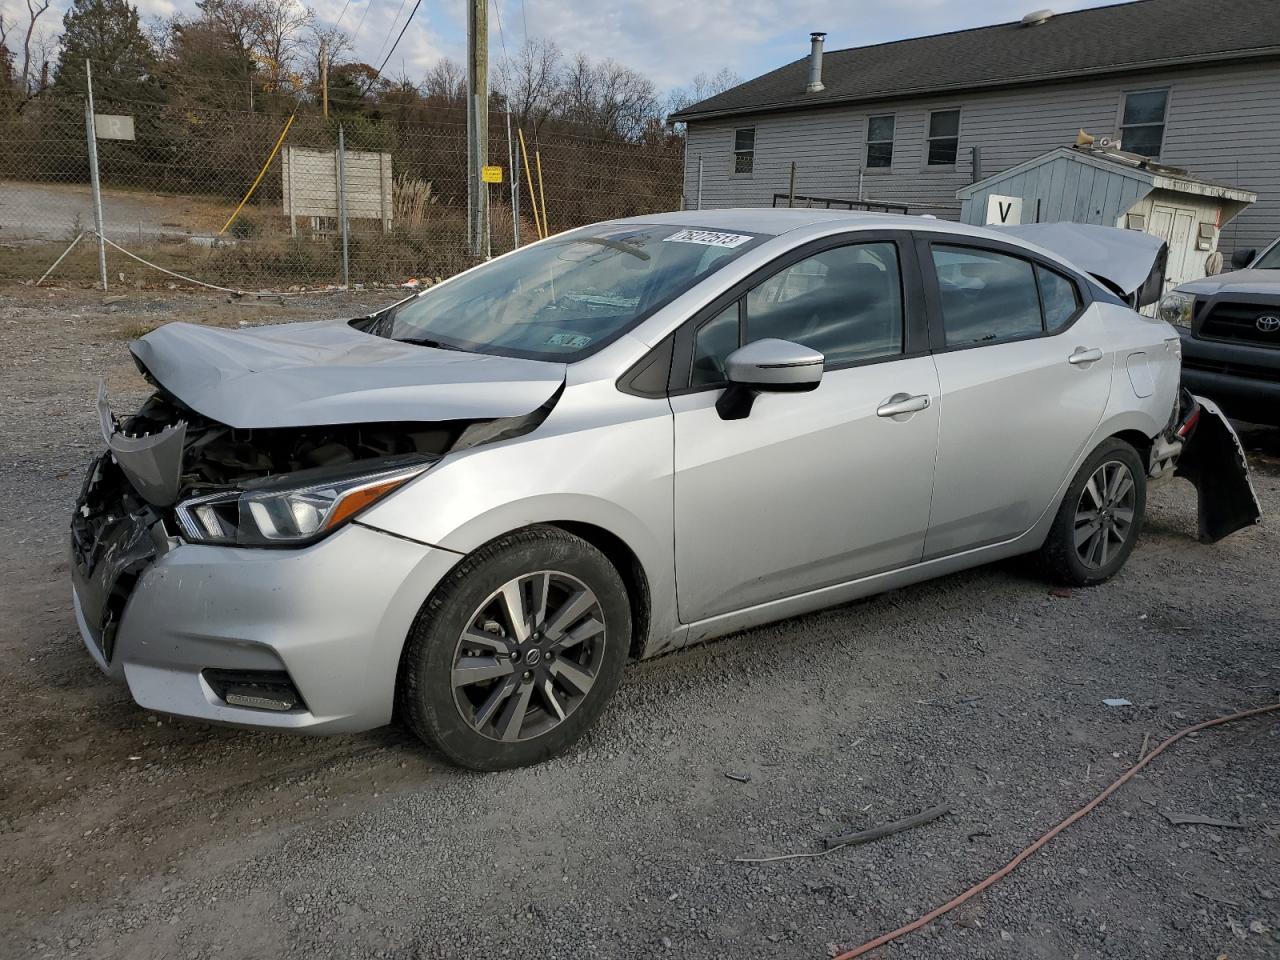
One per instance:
[(567, 297)]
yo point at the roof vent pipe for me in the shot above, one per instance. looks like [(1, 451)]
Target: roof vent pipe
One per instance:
[(1036, 17), (815, 63)]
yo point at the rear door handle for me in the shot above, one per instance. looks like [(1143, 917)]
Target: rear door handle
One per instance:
[(1085, 355), (901, 403)]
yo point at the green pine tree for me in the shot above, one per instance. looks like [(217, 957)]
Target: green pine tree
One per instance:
[(106, 32)]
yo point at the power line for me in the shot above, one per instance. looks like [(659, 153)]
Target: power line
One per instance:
[(377, 73), (367, 7), (338, 22), (497, 12), (394, 20)]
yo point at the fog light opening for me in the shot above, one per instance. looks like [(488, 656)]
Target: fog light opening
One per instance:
[(270, 690)]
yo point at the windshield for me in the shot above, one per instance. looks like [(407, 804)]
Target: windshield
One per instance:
[(1270, 259), (567, 297)]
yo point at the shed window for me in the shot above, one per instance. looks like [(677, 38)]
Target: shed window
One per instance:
[(1142, 125), (880, 141), (944, 137), (744, 150)]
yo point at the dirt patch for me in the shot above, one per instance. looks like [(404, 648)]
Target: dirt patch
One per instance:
[(128, 834)]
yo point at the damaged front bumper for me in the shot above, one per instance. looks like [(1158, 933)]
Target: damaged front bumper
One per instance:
[(201, 627)]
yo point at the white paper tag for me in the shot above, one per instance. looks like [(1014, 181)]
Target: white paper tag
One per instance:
[(708, 238)]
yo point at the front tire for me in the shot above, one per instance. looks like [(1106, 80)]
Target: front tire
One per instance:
[(517, 652), (1100, 518)]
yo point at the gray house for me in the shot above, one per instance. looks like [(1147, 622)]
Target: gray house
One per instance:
[(1190, 83)]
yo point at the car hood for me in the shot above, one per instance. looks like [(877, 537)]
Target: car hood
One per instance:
[(1237, 281), (326, 372)]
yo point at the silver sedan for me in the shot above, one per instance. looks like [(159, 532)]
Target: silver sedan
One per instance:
[(472, 508)]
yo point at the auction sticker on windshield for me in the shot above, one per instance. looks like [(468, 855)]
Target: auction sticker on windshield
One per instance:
[(707, 238), (568, 340)]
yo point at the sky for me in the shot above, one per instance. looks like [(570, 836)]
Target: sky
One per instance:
[(668, 40)]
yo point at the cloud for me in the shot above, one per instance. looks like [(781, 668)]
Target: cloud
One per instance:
[(668, 40)]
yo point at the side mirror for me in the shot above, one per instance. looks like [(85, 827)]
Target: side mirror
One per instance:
[(774, 366), (1242, 258)]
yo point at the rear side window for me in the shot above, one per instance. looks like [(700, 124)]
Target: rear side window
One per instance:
[(1061, 301), (986, 296), (845, 302)]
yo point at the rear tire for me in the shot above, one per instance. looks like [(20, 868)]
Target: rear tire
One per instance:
[(1100, 518), (517, 652)]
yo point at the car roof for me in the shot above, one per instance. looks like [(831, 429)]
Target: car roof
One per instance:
[(776, 221)]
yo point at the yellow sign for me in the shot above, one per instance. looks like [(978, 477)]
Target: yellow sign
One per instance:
[(491, 174)]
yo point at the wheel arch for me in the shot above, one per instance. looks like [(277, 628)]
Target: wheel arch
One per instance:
[(619, 553)]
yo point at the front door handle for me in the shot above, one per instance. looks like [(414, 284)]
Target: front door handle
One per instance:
[(1085, 355), (901, 403)]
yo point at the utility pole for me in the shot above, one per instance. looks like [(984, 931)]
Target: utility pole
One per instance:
[(324, 77), (478, 125)]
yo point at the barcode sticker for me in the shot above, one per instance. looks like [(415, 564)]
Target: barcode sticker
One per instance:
[(708, 238)]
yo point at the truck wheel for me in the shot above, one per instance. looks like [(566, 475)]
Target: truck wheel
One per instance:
[(517, 652), (1100, 518)]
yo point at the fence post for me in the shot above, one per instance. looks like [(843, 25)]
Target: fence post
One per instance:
[(791, 196), (514, 186), (342, 206), (91, 132), (699, 204)]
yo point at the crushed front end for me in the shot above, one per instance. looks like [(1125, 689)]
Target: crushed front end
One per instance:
[(228, 625)]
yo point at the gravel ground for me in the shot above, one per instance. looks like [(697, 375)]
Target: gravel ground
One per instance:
[(127, 834)]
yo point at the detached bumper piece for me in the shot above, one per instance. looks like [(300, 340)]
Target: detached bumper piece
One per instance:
[(1213, 459)]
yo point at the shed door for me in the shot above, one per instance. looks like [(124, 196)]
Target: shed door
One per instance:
[(1175, 226)]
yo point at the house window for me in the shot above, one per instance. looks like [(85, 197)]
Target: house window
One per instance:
[(744, 150), (944, 137), (1142, 124), (880, 141)]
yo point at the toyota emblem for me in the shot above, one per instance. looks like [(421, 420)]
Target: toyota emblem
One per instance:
[(1268, 323)]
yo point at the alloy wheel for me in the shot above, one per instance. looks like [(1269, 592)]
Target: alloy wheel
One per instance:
[(1105, 514), (528, 656)]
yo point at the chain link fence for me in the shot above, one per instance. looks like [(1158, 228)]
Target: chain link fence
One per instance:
[(171, 194)]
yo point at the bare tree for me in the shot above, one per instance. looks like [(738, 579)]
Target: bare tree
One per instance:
[(276, 30), (530, 83), (607, 99), (445, 83), (35, 9), (702, 88), (324, 41)]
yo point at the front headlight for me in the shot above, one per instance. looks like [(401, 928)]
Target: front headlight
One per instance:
[(294, 510), (1176, 307)]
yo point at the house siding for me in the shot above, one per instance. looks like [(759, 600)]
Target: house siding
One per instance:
[(1222, 123)]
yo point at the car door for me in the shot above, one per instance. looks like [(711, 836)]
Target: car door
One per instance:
[(1024, 374), (811, 489)]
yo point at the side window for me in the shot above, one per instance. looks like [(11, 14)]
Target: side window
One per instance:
[(880, 141), (845, 302), (1142, 122), (1058, 296), (944, 137), (986, 296), (715, 340), (744, 150)]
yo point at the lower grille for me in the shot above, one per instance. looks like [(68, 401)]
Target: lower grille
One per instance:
[(1238, 322)]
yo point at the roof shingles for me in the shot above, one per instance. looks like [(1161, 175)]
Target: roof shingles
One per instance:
[(1115, 38)]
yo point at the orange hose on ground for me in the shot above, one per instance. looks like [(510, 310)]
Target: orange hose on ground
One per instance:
[(1088, 808)]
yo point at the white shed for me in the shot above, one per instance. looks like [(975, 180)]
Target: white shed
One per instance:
[(1111, 188)]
